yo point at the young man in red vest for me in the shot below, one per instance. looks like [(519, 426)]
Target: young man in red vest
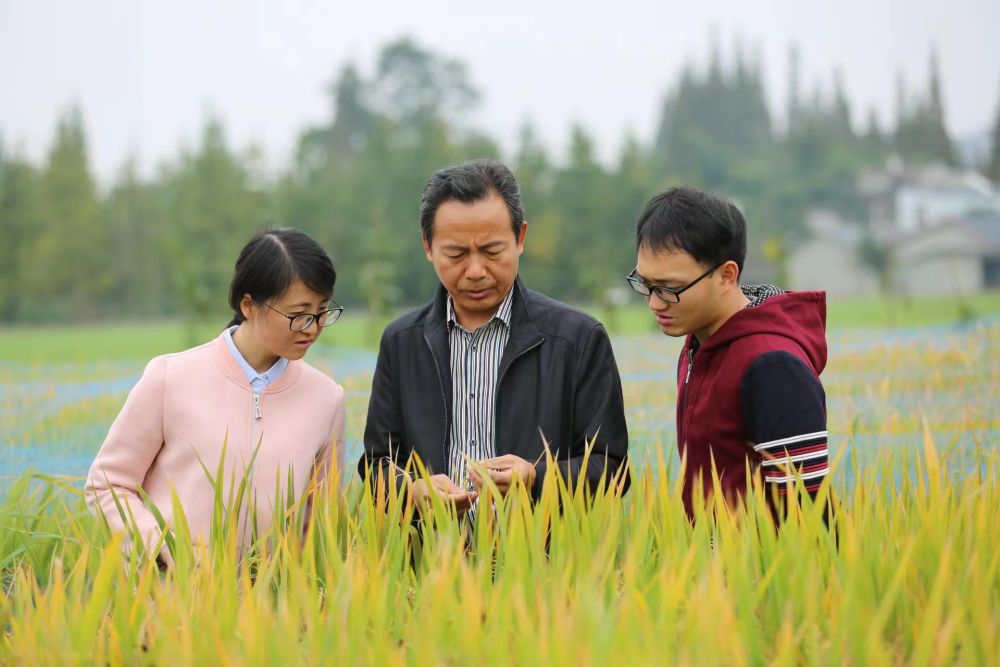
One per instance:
[(748, 376)]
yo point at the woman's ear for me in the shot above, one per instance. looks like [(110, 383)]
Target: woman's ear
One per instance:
[(246, 306)]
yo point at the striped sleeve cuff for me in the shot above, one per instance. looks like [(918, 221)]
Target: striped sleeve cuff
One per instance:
[(804, 456)]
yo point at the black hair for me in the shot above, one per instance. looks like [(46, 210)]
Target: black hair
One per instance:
[(707, 226), (272, 260), (470, 182)]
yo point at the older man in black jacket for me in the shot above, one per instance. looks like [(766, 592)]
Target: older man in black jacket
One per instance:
[(483, 377)]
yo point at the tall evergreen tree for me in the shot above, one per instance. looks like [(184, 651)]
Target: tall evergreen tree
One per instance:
[(70, 271), (794, 103), (212, 211), (921, 133), (582, 196), (535, 174), (20, 222), (993, 166), (413, 85), (841, 115), (940, 143), (344, 137), (136, 234), (873, 131), (709, 123)]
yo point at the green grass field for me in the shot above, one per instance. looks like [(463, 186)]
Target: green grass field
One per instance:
[(52, 344)]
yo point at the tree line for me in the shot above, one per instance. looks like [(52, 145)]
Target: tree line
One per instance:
[(164, 246)]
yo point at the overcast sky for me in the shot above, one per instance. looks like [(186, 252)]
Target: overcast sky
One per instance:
[(147, 74)]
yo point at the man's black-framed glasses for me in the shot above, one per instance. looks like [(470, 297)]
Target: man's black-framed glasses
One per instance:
[(302, 321), (665, 294)]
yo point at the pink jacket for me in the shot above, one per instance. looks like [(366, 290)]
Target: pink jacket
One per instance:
[(188, 406)]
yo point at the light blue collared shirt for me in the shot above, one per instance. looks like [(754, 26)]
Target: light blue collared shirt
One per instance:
[(258, 381)]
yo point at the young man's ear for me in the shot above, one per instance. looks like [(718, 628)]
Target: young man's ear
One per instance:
[(730, 273)]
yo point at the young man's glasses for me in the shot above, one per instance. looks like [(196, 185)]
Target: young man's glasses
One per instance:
[(302, 321), (665, 294)]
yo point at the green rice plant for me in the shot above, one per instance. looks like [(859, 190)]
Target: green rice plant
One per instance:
[(904, 570)]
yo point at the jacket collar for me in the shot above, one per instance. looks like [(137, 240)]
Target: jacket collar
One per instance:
[(523, 331), (502, 315), (231, 369)]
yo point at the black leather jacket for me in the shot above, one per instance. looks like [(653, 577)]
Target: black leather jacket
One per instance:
[(557, 379)]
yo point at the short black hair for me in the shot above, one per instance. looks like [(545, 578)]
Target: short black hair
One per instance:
[(272, 260), (470, 182), (705, 225)]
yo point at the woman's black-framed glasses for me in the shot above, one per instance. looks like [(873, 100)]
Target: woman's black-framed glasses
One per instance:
[(665, 294), (302, 321)]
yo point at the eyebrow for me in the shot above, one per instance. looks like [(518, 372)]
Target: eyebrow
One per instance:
[(490, 245), (657, 282), (306, 304)]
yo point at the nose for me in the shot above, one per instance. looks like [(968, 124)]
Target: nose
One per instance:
[(656, 304), (475, 269)]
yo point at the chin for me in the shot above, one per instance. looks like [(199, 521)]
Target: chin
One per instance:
[(488, 304), (673, 331)]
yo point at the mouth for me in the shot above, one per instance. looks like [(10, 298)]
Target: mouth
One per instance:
[(477, 294), (664, 320), (305, 343)]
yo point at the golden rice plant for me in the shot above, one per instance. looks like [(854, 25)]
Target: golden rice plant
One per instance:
[(906, 570)]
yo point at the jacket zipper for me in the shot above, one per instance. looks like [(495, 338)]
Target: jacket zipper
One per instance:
[(687, 381), (244, 510), (444, 401), (496, 393)]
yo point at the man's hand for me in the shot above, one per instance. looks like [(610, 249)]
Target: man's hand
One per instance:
[(421, 491), (505, 471)]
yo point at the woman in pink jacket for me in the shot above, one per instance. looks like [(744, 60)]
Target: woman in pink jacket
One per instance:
[(244, 400)]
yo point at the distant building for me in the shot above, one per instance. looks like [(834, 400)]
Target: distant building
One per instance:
[(830, 259), (906, 200), (939, 227), (958, 256)]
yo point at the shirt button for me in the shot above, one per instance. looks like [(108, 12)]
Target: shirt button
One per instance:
[(472, 442), (472, 394)]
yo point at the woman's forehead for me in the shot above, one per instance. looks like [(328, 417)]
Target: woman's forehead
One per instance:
[(298, 293)]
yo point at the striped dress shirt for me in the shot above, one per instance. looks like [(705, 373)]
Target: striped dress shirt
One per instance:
[(475, 363)]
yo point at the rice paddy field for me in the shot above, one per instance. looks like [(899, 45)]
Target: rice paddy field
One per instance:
[(906, 572)]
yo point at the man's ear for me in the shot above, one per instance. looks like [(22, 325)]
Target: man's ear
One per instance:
[(427, 246), (520, 237), (730, 273)]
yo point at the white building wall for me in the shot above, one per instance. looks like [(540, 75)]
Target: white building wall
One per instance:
[(833, 267), (951, 239), (940, 276), (918, 207)]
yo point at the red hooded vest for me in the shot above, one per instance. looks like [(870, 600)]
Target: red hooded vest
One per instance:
[(717, 411)]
